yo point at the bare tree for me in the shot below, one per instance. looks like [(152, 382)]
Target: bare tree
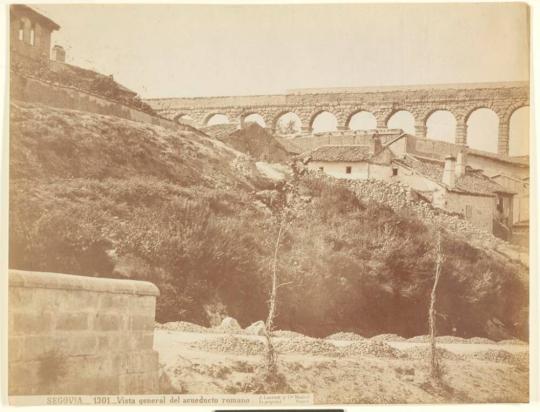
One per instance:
[(435, 367), (271, 359)]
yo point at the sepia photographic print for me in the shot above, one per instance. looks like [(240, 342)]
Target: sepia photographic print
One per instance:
[(268, 205)]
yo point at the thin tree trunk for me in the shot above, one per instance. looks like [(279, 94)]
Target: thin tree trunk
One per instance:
[(432, 319), (270, 352)]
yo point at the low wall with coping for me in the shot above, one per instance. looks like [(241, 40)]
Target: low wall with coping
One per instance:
[(80, 335), (30, 89)]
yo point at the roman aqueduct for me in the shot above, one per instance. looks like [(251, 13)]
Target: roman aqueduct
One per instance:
[(461, 100)]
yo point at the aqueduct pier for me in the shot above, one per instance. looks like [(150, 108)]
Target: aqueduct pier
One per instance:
[(421, 101)]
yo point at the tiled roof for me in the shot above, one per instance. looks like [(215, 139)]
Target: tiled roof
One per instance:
[(474, 181), (352, 153)]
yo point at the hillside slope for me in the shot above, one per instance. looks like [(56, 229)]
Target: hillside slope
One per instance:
[(102, 196)]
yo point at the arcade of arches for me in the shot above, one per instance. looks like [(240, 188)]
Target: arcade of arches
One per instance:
[(491, 117)]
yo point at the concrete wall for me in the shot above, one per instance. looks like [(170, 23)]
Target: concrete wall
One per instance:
[(80, 335), (33, 90)]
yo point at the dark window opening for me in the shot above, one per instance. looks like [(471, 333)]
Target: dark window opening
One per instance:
[(321, 168), (394, 171), (348, 170)]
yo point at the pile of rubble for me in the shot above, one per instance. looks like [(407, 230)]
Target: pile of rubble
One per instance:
[(368, 347), (231, 344), (450, 339), (287, 334), (512, 342), (424, 352), (480, 340), (306, 345), (493, 355), (387, 337), (419, 339), (182, 326), (351, 336)]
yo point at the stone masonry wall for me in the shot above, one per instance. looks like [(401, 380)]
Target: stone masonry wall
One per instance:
[(80, 335), (399, 196), (33, 90)]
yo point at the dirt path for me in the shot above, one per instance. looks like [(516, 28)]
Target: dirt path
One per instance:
[(350, 379)]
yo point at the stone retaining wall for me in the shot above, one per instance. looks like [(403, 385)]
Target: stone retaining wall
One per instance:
[(80, 335), (33, 90)]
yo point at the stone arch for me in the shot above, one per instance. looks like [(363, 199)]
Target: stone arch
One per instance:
[(183, 116), (401, 119), (330, 121), (253, 117), (353, 113), (287, 114), (518, 131), (221, 116), (483, 129), (441, 124), (361, 119)]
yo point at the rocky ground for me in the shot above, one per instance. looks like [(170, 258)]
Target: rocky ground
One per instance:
[(344, 367)]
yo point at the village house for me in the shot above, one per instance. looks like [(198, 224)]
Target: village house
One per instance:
[(521, 199), (30, 33), (454, 186), (371, 161), (451, 184)]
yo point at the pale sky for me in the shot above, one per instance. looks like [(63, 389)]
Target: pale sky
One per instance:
[(201, 50)]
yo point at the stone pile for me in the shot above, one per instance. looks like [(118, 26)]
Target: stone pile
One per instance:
[(480, 340), (368, 347), (350, 336), (286, 334), (387, 337), (231, 344), (450, 339), (493, 355), (182, 326), (306, 345), (424, 352), (512, 342)]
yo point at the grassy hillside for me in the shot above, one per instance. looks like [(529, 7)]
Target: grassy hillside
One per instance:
[(102, 196)]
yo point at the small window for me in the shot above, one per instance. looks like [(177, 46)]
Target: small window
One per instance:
[(394, 171), (21, 30), (348, 170), (32, 36), (321, 169), (468, 212)]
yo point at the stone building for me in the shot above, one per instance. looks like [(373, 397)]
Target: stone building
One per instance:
[(456, 187), (30, 33), (371, 161), (521, 200)]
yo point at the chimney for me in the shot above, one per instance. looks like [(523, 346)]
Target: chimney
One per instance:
[(461, 164), (376, 145), (59, 54), (449, 176)]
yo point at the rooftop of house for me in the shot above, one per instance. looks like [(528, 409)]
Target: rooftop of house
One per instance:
[(342, 153), (21, 9), (472, 182)]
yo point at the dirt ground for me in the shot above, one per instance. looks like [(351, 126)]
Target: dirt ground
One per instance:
[(207, 363)]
